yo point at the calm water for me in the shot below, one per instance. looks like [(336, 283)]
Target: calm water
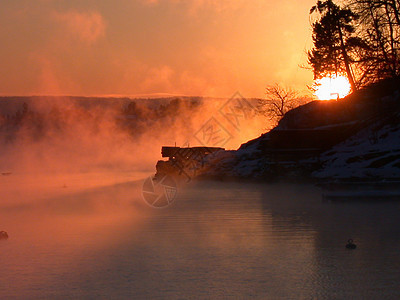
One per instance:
[(217, 240)]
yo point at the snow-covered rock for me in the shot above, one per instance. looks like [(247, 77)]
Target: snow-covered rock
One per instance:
[(374, 152), (360, 138)]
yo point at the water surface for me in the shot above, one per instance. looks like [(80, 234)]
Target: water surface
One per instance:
[(217, 240)]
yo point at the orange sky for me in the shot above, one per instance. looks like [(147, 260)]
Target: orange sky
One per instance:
[(131, 47)]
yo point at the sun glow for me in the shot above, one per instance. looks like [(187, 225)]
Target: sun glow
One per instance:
[(333, 87)]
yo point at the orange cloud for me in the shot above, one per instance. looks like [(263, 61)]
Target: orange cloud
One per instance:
[(87, 27), (193, 47), (195, 5)]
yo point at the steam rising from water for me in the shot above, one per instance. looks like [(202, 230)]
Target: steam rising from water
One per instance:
[(64, 134), (76, 143), (71, 175)]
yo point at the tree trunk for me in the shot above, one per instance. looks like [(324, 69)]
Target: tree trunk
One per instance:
[(393, 53), (396, 11), (346, 61), (379, 34)]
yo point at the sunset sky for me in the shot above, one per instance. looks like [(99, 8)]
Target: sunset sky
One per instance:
[(134, 47)]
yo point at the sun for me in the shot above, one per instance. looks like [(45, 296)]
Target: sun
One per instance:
[(332, 87)]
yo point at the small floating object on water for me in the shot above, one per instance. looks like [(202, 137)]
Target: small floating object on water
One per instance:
[(3, 235), (64, 186), (6, 173), (350, 244)]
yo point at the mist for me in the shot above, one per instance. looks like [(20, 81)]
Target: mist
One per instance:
[(51, 145)]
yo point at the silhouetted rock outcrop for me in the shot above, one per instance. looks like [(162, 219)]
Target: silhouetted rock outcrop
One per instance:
[(355, 137)]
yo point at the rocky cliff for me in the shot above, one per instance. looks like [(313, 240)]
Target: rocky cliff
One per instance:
[(354, 137)]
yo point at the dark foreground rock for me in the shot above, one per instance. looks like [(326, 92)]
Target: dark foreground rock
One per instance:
[(357, 137)]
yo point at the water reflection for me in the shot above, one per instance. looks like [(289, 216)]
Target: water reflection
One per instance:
[(217, 240)]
